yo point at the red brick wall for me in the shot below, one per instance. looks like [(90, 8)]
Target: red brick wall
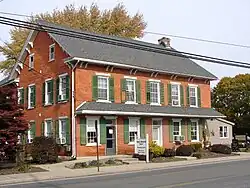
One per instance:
[(48, 70)]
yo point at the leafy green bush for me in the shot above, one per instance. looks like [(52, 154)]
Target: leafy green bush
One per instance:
[(157, 151), (197, 155), (184, 150), (169, 153), (196, 146), (220, 148), (44, 150)]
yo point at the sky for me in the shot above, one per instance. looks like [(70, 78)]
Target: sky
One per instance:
[(224, 20)]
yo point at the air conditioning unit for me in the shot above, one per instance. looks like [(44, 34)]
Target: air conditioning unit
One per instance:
[(63, 140), (58, 140)]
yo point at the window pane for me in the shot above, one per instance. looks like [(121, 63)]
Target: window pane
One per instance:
[(175, 94), (154, 92), (192, 95), (194, 131), (91, 131), (102, 88), (155, 134), (221, 131), (130, 90), (176, 130)]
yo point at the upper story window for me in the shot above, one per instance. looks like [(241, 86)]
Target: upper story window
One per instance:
[(31, 61), (49, 92), (175, 94), (52, 52), (131, 90), (63, 88), (154, 92), (103, 88), (223, 132), (31, 96), (193, 96)]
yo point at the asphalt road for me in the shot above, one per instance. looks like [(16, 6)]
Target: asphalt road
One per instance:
[(223, 175)]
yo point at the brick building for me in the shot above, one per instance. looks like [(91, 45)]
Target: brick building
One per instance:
[(127, 87)]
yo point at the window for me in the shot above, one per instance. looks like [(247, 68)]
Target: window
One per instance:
[(134, 129), (31, 61), (175, 92), (62, 87), (20, 96), (194, 131), (31, 96), (103, 88), (31, 131), (193, 96), (62, 130), (157, 132), (223, 132), (130, 90), (176, 130), (155, 92), (49, 92), (52, 52), (48, 129), (91, 131)]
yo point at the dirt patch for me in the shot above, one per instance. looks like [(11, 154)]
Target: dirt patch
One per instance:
[(21, 169), (208, 154), (167, 159)]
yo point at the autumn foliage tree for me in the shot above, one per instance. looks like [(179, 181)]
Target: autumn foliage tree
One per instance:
[(12, 122), (115, 21)]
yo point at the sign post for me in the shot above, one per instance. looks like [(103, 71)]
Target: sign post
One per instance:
[(147, 149), (97, 148), (142, 147)]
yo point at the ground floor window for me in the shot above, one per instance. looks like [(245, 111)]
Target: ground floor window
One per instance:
[(223, 131), (176, 130), (134, 129), (194, 131), (62, 130), (48, 129), (91, 130), (157, 131)]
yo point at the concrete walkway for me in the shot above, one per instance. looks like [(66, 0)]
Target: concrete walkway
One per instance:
[(58, 171)]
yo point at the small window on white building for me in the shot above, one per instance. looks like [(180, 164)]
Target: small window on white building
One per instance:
[(223, 132), (52, 52)]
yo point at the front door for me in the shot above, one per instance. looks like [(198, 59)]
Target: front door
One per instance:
[(111, 140)]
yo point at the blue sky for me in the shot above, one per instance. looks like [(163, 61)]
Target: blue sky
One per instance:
[(224, 20)]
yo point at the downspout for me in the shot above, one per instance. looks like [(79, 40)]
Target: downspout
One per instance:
[(73, 120)]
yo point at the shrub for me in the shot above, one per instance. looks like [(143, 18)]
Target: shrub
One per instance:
[(197, 155), (196, 146), (156, 150), (220, 148), (184, 150), (169, 153), (44, 150)]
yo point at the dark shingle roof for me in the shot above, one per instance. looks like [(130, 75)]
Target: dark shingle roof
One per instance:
[(6, 81), (126, 51), (150, 109)]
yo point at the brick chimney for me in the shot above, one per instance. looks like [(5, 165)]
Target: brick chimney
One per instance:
[(164, 41)]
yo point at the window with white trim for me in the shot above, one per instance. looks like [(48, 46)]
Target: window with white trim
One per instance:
[(193, 96), (130, 90), (20, 95), (31, 96), (176, 130), (62, 130), (49, 92), (48, 129), (91, 131), (52, 52), (175, 94), (62, 87), (31, 134), (103, 88), (31, 61), (134, 129), (155, 92), (157, 131), (223, 132), (194, 131)]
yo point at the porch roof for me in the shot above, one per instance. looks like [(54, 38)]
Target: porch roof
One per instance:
[(101, 108)]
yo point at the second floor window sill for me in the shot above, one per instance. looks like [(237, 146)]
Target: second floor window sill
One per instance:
[(131, 102), (62, 101), (103, 101), (155, 104), (31, 107), (48, 104)]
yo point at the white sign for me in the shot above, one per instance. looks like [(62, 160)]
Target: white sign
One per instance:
[(141, 145), (110, 131)]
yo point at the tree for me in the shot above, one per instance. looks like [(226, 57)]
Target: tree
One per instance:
[(232, 98), (12, 122), (116, 22)]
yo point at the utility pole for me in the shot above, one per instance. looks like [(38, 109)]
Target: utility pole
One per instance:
[(97, 147)]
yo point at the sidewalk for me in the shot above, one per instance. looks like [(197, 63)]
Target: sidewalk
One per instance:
[(58, 171)]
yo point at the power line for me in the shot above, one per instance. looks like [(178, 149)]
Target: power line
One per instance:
[(14, 14), (114, 41)]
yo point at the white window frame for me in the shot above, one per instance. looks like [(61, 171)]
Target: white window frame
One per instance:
[(180, 133), (196, 95), (29, 135), (108, 97), (60, 128), (131, 102), (179, 95), (223, 131), (29, 92), (19, 97), (60, 86), (138, 128), (158, 92), (197, 126), (160, 133), (31, 63), (50, 54), (46, 91), (93, 118), (46, 127)]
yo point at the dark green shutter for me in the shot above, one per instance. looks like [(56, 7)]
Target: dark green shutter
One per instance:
[(142, 128), (123, 90), (162, 93), (68, 137), (22, 96), (57, 131), (52, 92), (189, 131), (111, 89), (42, 128), (126, 131), (188, 99), (171, 129), (183, 131), (199, 96), (103, 131), (201, 128), (43, 93), (34, 96), (83, 131), (169, 95), (148, 92), (182, 95), (94, 88), (27, 97), (67, 87), (57, 89), (33, 129), (138, 91)]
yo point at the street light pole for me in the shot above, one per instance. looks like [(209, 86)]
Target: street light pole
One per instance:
[(97, 148)]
